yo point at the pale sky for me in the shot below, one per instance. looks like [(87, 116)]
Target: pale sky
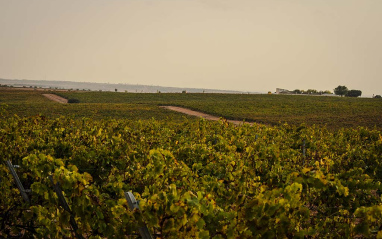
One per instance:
[(246, 45)]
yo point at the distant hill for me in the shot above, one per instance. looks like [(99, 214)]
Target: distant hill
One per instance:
[(107, 87)]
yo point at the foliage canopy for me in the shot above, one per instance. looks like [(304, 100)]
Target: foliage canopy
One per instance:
[(354, 93), (341, 90)]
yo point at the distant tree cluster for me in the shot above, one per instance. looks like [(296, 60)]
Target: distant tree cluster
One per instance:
[(311, 92), (354, 93), (6, 85), (342, 90)]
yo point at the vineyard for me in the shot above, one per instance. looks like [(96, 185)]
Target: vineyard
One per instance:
[(79, 164), (193, 179), (332, 112), (32, 103)]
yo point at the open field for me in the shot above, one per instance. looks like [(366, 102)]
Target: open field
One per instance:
[(334, 112), (31, 103)]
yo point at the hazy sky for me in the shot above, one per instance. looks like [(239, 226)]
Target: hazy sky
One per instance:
[(247, 45)]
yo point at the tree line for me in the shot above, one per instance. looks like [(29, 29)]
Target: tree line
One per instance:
[(311, 91), (342, 90)]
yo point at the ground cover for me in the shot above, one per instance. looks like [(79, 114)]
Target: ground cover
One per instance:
[(333, 112), (32, 102), (194, 179)]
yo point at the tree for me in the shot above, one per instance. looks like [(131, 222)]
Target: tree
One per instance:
[(297, 91), (354, 93), (341, 90), (311, 91), (378, 96)]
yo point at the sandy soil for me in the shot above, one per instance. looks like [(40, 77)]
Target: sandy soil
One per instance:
[(56, 98), (198, 114)]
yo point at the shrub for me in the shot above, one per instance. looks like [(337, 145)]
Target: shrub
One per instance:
[(354, 93), (71, 101)]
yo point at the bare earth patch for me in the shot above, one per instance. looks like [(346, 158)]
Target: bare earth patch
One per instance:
[(56, 98), (198, 114)]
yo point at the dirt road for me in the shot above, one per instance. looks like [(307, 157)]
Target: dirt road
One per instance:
[(198, 114), (56, 98)]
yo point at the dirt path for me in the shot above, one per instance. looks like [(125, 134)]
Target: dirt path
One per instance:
[(56, 98), (199, 114)]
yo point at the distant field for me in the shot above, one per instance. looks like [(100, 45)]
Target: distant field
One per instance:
[(334, 112), (30, 103)]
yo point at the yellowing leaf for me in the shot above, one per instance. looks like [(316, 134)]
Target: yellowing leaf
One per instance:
[(305, 170)]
